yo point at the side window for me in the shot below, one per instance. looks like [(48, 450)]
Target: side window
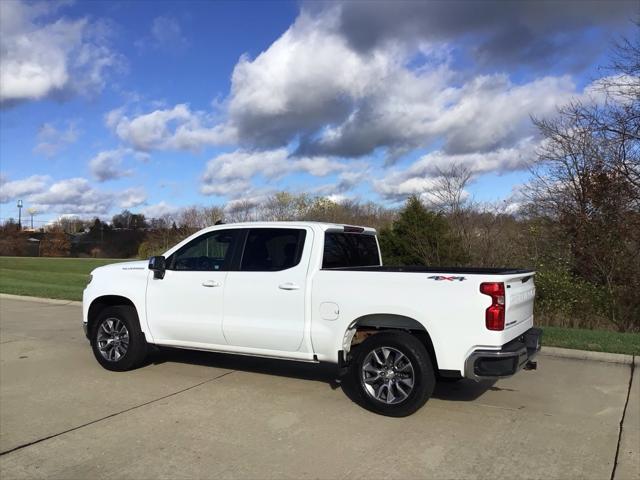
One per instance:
[(349, 250), (272, 249), (211, 251)]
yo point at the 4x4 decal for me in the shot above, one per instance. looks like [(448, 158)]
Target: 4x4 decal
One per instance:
[(448, 278)]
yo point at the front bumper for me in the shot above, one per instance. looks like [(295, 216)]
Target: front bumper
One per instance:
[(513, 356)]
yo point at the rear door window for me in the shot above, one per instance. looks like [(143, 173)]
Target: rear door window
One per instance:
[(272, 249), (350, 250)]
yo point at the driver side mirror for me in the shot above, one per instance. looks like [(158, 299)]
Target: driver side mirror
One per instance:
[(158, 265)]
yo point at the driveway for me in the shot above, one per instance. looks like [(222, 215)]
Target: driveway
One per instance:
[(196, 415)]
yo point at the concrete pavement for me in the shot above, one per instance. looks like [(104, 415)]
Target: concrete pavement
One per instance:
[(197, 415)]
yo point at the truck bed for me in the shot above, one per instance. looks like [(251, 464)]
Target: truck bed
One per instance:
[(422, 269)]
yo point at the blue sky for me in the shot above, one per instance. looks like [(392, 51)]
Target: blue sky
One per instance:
[(153, 106)]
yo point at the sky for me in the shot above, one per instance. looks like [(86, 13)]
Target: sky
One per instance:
[(152, 106)]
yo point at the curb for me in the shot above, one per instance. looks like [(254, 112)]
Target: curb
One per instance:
[(586, 355), (49, 301)]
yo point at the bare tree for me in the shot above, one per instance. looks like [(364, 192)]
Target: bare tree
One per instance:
[(449, 193), (586, 178), (242, 211), (284, 206), (449, 196), (55, 243)]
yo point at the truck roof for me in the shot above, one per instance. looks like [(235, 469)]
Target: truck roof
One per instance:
[(321, 225)]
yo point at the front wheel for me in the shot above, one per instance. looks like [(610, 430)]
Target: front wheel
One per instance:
[(392, 373), (116, 339)]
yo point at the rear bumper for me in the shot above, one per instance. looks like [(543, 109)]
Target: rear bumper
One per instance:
[(513, 356)]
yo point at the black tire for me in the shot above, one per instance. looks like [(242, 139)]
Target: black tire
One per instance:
[(136, 350), (424, 379)]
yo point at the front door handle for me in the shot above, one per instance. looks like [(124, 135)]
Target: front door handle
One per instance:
[(288, 286), (211, 283)]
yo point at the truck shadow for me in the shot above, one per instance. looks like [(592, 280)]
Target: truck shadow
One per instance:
[(461, 391)]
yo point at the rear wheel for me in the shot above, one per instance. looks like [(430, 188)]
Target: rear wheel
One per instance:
[(116, 339), (392, 373)]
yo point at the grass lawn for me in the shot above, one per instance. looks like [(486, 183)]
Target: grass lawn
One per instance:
[(47, 277), (65, 278), (595, 340)]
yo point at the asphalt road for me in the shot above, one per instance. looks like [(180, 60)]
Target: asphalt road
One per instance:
[(200, 415)]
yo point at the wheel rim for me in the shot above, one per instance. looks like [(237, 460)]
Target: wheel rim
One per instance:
[(113, 339), (387, 375)]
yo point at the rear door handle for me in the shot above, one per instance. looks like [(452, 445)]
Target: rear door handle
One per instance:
[(288, 286), (211, 283)]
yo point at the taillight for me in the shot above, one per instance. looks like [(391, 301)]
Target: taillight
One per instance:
[(494, 316)]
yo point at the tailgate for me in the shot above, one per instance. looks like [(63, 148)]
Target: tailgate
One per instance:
[(520, 293)]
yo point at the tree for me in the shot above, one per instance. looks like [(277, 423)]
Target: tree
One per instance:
[(12, 240), (421, 237), (122, 219), (587, 179), (55, 243), (448, 194), (284, 206)]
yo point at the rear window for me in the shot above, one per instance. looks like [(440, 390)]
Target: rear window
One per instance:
[(272, 249), (350, 250)]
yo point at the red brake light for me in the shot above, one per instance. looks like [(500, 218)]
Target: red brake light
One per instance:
[(494, 316)]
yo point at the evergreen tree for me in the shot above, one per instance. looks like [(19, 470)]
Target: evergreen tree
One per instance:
[(421, 237)]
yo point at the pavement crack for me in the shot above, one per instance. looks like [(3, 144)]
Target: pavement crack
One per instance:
[(20, 447), (624, 412)]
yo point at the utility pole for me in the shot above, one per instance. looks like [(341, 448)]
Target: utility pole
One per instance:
[(19, 214)]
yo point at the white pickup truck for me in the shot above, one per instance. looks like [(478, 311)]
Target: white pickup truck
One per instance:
[(316, 292)]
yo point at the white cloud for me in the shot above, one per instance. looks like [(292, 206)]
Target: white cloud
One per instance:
[(295, 91), (107, 165), (16, 189), (158, 210), (230, 174), (167, 33), (382, 100), (40, 57), (421, 177), (176, 128), (132, 197), (492, 112), (73, 196), (306, 79), (52, 140)]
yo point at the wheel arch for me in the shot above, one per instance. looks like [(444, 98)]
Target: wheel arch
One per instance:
[(100, 303), (378, 322)]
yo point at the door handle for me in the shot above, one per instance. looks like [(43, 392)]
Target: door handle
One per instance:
[(211, 283), (288, 286)]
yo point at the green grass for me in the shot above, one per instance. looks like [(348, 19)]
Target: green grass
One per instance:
[(63, 278), (594, 340)]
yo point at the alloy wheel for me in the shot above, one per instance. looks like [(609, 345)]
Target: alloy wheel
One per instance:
[(387, 375), (113, 339)]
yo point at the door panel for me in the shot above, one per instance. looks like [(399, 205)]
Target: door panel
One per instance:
[(187, 304), (266, 309), (181, 307)]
